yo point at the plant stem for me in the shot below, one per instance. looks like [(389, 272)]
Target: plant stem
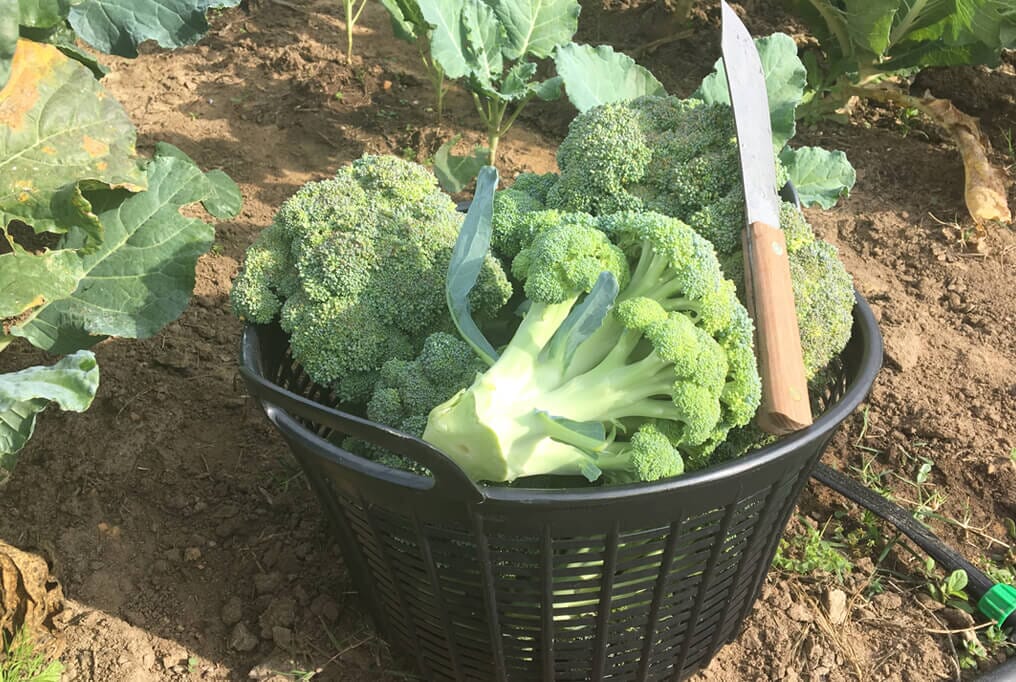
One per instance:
[(5, 341), (436, 76), (351, 18)]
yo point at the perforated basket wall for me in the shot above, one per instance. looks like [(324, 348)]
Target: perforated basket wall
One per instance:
[(639, 582)]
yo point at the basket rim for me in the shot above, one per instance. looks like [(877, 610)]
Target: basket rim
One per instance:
[(821, 429)]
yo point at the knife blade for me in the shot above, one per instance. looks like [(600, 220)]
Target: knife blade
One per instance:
[(785, 406)]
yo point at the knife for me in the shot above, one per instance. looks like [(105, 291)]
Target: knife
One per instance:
[(785, 407)]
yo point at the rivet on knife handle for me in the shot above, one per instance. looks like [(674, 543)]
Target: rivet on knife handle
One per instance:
[(785, 406)]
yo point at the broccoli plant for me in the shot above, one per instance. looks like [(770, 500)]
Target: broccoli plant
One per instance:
[(353, 268), (92, 242), (633, 353), (873, 51), (496, 47)]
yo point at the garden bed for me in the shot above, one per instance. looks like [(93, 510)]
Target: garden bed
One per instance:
[(192, 549)]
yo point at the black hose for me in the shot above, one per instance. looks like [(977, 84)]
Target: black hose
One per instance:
[(978, 583)]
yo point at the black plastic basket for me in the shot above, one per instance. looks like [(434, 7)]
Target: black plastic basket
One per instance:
[(638, 582)]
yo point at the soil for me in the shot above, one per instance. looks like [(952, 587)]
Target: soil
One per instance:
[(190, 547)]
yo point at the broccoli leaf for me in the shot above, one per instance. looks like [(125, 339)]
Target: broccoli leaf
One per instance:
[(584, 319), (597, 75), (28, 280), (785, 77), (456, 172), (483, 43), (42, 13), (54, 110), (70, 383), (142, 275), (516, 83), (224, 198), (407, 20), (536, 27), (870, 22), (119, 26), (447, 44), (550, 89), (820, 176), (470, 250)]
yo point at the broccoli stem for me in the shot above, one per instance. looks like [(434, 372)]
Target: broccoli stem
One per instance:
[(436, 76), (492, 113), (509, 409)]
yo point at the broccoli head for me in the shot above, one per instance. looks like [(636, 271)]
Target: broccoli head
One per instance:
[(633, 351), (354, 269), (680, 158)]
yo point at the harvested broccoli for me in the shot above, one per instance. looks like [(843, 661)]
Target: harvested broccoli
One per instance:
[(670, 366), (354, 269), (680, 158)]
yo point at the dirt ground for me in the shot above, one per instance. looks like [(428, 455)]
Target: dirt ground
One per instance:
[(190, 546)]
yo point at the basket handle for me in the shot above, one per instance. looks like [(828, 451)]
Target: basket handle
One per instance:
[(448, 476)]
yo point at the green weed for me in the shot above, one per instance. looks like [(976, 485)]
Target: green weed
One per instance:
[(809, 552), (21, 661)]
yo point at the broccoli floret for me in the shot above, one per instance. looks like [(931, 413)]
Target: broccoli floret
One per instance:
[(508, 231), (675, 350), (647, 456), (535, 185), (409, 389), (354, 267), (824, 296), (269, 277)]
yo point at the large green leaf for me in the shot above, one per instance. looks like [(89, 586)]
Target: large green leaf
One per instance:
[(407, 20), (28, 280), (785, 78), (447, 43), (70, 383), (483, 40), (224, 199), (142, 276), (820, 176), (119, 26), (869, 23), (8, 37), (43, 13), (536, 27), (61, 131), (912, 16), (454, 172), (598, 75)]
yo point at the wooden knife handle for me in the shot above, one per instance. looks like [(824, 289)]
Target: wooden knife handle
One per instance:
[(785, 406)]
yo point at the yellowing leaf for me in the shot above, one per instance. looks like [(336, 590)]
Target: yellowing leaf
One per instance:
[(59, 129)]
